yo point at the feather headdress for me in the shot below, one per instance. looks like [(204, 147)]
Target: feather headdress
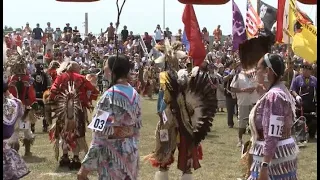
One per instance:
[(17, 62), (172, 54)]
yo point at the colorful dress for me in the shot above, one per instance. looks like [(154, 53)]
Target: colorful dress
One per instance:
[(270, 123), (14, 166), (114, 150)]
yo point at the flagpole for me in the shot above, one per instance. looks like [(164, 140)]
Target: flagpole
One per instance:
[(316, 17), (258, 12), (164, 14)]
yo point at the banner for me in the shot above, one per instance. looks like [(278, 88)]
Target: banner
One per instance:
[(304, 42), (193, 34), (268, 15), (238, 27)]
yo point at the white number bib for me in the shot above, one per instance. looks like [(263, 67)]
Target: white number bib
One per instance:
[(164, 117), (24, 125), (276, 125), (164, 135), (99, 121)]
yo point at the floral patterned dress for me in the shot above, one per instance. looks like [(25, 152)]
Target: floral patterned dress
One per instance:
[(14, 166), (114, 150)]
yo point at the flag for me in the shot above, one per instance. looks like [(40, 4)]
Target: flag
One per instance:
[(268, 15), (238, 27), (285, 22), (253, 21), (191, 28), (304, 42), (185, 41)]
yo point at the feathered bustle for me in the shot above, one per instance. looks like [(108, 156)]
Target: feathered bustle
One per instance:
[(196, 103)]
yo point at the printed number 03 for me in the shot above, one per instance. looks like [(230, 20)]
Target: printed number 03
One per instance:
[(279, 129), (99, 123)]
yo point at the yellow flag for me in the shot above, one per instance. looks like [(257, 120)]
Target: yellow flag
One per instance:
[(304, 42), (305, 45)]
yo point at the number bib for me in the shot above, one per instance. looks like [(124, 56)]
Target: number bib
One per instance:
[(99, 121), (164, 135), (164, 117), (276, 125), (24, 125)]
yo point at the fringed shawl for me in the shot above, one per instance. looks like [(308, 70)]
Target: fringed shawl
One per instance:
[(121, 98)]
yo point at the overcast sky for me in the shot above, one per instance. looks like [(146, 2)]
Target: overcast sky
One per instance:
[(138, 15)]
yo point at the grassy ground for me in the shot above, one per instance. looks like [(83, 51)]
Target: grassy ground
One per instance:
[(221, 156)]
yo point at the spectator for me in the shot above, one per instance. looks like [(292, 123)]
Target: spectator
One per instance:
[(57, 34), (231, 100), (49, 30), (205, 35), (110, 32), (37, 36), (26, 30), (124, 34), (244, 88), (158, 34), (67, 29), (167, 34), (217, 33), (148, 41)]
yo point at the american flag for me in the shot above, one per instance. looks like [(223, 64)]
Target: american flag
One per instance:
[(253, 21)]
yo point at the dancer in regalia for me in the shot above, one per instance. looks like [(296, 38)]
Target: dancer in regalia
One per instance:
[(20, 85), (272, 152), (71, 95), (186, 112), (114, 151), (14, 166), (41, 84)]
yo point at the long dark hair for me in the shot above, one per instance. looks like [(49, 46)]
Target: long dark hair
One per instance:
[(277, 65), (120, 67)]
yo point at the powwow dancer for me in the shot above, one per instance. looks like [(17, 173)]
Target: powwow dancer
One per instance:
[(20, 85), (14, 166), (41, 84), (114, 149), (52, 72), (272, 152), (188, 108), (70, 95)]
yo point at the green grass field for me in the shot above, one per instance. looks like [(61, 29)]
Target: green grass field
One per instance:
[(221, 156)]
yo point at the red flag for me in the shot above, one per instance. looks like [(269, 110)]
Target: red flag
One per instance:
[(282, 21), (192, 30)]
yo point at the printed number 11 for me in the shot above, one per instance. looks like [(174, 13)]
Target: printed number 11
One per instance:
[(272, 130)]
